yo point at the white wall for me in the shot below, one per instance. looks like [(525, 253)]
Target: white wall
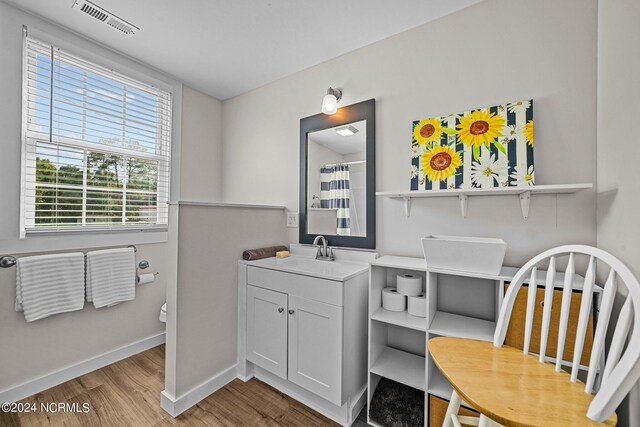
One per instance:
[(29, 351), (201, 155), (618, 148), (493, 52)]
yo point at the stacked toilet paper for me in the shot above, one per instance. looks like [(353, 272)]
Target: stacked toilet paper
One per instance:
[(407, 295)]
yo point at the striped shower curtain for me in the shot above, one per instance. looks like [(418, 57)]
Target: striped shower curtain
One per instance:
[(334, 194)]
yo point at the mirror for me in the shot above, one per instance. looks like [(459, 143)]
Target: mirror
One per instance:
[(337, 176)]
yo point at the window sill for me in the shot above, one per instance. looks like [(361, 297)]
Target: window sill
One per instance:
[(81, 240)]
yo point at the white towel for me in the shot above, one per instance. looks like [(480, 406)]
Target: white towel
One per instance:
[(111, 276), (49, 284)]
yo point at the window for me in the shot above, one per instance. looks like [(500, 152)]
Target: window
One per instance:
[(96, 146)]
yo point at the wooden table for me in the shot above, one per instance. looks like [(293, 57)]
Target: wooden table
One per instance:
[(510, 387)]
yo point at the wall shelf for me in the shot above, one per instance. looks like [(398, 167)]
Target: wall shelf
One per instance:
[(523, 193)]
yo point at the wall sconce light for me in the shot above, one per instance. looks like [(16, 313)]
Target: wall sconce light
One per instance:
[(330, 101)]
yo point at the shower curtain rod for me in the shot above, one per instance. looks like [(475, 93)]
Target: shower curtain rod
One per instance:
[(345, 163)]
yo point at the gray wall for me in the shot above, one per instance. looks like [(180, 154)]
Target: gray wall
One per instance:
[(618, 148), (493, 52), (204, 308)]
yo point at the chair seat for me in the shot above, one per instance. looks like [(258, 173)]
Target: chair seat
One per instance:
[(510, 387)]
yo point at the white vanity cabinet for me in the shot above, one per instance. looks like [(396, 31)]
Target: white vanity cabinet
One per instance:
[(315, 347), (267, 329), (296, 338), (306, 335)]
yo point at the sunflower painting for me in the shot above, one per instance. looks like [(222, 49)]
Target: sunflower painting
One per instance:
[(458, 150)]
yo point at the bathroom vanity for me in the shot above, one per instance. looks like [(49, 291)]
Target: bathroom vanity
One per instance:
[(303, 328)]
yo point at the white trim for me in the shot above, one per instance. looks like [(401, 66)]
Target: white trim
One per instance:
[(245, 378), (225, 205), (83, 241), (113, 60), (23, 134), (45, 382), (176, 406)]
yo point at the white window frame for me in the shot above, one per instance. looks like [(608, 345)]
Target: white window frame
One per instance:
[(164, 159)]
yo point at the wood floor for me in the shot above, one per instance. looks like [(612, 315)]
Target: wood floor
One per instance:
[(127, 393)]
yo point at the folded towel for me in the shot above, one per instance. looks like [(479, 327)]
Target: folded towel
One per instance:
[(111, 276), (253, 254), (49, 284)]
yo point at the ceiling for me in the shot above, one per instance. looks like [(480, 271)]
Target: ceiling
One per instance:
[(342, 144), (227, 47)]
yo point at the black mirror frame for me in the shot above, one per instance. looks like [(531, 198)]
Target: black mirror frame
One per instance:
[(365, 110)]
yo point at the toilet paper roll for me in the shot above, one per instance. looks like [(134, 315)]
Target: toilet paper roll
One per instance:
[(146, 278), (392, 300), (409, 285), (417, 306)]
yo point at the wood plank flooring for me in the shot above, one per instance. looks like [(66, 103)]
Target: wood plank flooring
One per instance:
[(127, 393)]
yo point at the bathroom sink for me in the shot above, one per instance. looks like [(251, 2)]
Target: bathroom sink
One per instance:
[(332, 270)]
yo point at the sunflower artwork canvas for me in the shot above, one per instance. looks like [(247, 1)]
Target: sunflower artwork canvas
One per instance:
[(483, 148)]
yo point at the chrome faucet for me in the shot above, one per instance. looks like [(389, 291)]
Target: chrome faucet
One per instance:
[(325, 253)]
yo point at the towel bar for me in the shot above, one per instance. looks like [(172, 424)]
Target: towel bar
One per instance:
[(9, 261)]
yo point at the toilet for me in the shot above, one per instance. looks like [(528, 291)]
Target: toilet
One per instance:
[(163, 313)]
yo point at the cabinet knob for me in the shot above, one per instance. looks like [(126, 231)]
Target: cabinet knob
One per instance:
[(280, 309), (291, 311)]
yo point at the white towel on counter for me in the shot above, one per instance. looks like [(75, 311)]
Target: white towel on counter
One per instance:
[(49, 284), (111, 276)]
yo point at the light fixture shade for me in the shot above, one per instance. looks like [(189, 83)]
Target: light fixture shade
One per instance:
[(330, 101), (329, 104)]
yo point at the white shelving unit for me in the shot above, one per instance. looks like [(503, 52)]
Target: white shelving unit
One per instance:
[(439, 386), (401, 366), (459, 304), (398, 340), (400, 318), (523, 193), (455, 325)]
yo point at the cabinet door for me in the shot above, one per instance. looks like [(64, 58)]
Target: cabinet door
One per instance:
[(315, 347), (267, 329)]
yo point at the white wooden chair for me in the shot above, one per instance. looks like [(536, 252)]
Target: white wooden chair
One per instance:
[(611, 374)]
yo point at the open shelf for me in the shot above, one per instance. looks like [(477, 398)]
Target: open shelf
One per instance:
[(523, 193), (400, 318), (400, 366), (454, 325), (400, 262), (438, 385)]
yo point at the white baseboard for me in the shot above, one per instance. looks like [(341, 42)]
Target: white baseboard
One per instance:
[(176, 406), (244, 378), (45, 382)]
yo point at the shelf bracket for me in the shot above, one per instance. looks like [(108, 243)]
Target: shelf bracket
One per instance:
[(525, 202), (407, 206), (464, 204)]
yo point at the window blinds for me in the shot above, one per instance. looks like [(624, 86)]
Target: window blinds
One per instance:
[(96, 146)]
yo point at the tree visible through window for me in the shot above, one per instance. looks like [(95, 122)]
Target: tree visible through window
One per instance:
[(96, 145)]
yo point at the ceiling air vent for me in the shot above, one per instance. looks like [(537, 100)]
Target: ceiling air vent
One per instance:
[(105, 16)]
